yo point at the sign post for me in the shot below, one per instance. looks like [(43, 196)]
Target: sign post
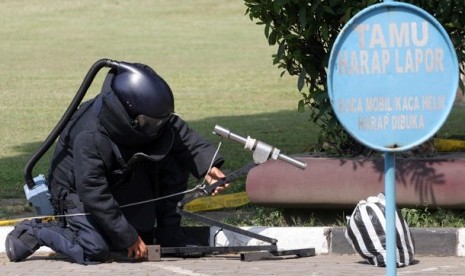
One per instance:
[(392, 78), (390, 191)]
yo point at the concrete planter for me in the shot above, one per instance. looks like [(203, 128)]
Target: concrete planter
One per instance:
[(341, 183)]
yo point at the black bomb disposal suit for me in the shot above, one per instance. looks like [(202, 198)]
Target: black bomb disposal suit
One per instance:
[(103, 161)]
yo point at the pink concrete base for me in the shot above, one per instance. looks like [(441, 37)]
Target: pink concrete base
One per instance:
[(341, 183)]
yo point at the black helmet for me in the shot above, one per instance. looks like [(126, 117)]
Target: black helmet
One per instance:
[(142, 91), (146, 97)]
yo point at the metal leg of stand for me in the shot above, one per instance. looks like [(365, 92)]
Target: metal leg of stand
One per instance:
[(259, 252)]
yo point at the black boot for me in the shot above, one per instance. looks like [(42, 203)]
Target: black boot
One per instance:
[(21, 242)]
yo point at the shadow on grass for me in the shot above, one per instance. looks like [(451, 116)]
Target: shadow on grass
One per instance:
[(11, 170), (287, 130)]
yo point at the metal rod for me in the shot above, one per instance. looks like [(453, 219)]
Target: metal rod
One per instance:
[(226, 133), (292, 161), (238, 230)]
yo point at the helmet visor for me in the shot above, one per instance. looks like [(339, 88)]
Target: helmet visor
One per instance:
[(148, 125)]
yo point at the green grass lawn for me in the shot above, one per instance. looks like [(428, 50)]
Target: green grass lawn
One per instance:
[(215, 59)]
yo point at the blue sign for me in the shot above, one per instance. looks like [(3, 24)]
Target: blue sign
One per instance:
[(393, 76)]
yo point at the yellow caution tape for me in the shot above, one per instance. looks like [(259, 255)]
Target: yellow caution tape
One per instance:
[(197, 205), (217, 202), (446, 145), (11, 222)]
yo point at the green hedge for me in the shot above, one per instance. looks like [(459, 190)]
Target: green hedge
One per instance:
[(304, 32)]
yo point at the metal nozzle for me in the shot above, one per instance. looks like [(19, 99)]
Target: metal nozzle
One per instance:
[(226, 133)]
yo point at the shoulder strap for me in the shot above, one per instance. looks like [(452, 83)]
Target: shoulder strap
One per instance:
[(118, 155)]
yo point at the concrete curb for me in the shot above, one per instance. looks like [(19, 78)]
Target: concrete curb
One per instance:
[(439, 242)]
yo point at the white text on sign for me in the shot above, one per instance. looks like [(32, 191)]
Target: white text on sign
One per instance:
[(400, 48), (383, 113)]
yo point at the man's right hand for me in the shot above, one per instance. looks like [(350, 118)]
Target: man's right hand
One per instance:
[(138, 250)]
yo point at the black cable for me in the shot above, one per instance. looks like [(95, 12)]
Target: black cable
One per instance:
[(48, 142)]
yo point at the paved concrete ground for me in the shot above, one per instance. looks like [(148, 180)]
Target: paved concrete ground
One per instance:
[(331, 264), (438, 252)]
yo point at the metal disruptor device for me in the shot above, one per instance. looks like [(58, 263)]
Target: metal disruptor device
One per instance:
[(261, 151)]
